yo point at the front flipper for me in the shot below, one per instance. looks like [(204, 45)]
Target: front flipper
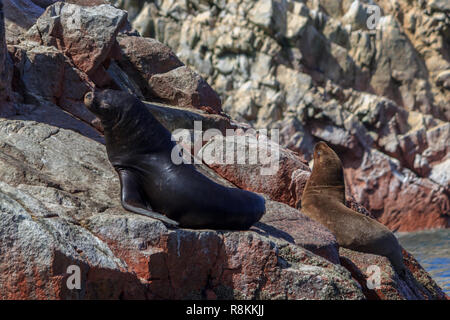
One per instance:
[(133, 200)]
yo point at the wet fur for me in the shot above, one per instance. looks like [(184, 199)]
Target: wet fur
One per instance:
[(139, 148), (324, 201)]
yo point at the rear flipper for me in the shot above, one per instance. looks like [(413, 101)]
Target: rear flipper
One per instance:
[(133, 200)]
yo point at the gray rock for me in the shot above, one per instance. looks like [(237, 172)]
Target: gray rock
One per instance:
[(23, 13), (269, 15), (294, 83), (5, 69), (439, 5)]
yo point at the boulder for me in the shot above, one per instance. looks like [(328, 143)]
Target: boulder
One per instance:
[(141, 58), (380, 282), (256, 164), (269, 15), (185, 88), (64, 86), (60, 197), (72, 28)]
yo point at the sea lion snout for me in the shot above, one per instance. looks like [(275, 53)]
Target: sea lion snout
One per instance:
[(108, 103), (320, 147), (98, 103)]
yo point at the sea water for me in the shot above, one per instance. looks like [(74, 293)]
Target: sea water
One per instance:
[(432, 249)]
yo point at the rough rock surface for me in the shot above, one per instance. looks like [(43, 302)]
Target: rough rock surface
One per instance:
[(287, 186), (5, 70), (257, 172), (315, 71), (414, 286), (61, 207), (276, 172), (59, 196), (93, 45), (85, 34)]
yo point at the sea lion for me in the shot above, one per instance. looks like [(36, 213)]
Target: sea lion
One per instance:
[(324, 201), (139, 148)]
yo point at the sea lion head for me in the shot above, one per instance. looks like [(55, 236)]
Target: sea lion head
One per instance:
[(327, 169), (108, 105)]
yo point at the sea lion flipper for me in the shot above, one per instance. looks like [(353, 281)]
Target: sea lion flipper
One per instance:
[(132, 200)]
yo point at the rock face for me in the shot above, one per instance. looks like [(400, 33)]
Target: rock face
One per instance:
[(5, 69), (292, 181), (59, 196), (315, 71), (65, 211)]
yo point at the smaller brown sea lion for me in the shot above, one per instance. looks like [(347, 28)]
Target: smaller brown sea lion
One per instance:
[(324, 201)]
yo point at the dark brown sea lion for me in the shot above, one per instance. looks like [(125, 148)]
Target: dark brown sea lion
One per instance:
[(324, 201), (140, 149)]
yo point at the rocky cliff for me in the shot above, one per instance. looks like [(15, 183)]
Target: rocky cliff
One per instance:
[(314, 70), (59, 196)]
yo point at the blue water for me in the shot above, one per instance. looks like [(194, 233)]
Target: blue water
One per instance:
[(432, 249)]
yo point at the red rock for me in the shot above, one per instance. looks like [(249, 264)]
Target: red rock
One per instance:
[(293, 226), (85, 34), (276, 185), (185, 88), (141, 58), (396, 196), (416, 284), (188, 264)]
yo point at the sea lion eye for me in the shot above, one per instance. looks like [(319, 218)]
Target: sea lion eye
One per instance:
[(318, 153)]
